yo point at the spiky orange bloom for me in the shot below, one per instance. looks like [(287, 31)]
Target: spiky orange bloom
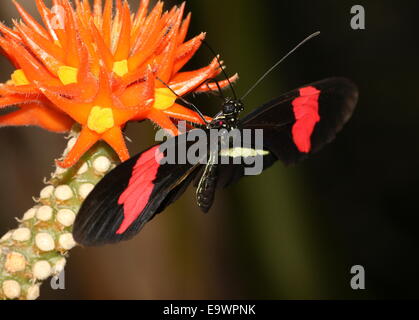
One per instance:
[(100, 69)]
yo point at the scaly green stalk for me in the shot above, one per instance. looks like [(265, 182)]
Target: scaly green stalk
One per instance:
[(39, 247)]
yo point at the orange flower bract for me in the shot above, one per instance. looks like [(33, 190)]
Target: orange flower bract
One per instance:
[(100, 67)]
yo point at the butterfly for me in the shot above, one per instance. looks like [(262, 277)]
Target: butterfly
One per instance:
[(293, 126)]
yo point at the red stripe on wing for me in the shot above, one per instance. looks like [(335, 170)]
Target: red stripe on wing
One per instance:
[(306, 112), (141, 185)]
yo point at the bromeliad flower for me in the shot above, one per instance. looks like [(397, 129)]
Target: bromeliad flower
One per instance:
[(101, 70)]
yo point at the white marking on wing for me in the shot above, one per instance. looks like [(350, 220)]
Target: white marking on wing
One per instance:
[(242, 152)]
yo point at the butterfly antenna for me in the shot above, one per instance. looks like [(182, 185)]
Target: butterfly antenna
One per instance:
[(278, 63), (222, 69), (221, 95), (185, 101)]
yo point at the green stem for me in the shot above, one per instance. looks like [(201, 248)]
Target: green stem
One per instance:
[(39, 247)]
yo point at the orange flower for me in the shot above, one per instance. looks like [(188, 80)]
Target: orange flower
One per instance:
[(101, 70)]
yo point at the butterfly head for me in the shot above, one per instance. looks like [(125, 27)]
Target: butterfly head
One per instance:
[(230, 113), (232, 107)]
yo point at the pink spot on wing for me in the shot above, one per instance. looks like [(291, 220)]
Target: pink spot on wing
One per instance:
[(141, 185), (306, 112)]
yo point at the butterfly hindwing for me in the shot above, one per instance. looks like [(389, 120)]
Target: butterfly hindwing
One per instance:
[(250, 158)]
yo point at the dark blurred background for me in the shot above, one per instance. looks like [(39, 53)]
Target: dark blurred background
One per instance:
[(292, 232)]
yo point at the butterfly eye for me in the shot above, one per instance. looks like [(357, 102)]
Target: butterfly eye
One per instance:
[(229, 108)]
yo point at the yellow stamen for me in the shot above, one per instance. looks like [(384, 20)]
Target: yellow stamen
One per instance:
[(67, 75), (100, 119), (120, 68), (164, 98), (19, 78)]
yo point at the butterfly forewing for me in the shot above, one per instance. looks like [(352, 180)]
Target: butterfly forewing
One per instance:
[(131, 195), (295, 125), (304, 120)]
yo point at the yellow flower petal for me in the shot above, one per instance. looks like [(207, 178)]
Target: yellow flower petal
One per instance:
[(100, 119), (19, 78), (120, 68), (67, 75), (164, 98)]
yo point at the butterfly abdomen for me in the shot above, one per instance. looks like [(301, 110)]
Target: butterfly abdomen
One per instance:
[(207, 185)]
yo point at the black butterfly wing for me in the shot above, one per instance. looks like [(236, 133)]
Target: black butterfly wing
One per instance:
[(302, 121), (297, 123), (131, 195)]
